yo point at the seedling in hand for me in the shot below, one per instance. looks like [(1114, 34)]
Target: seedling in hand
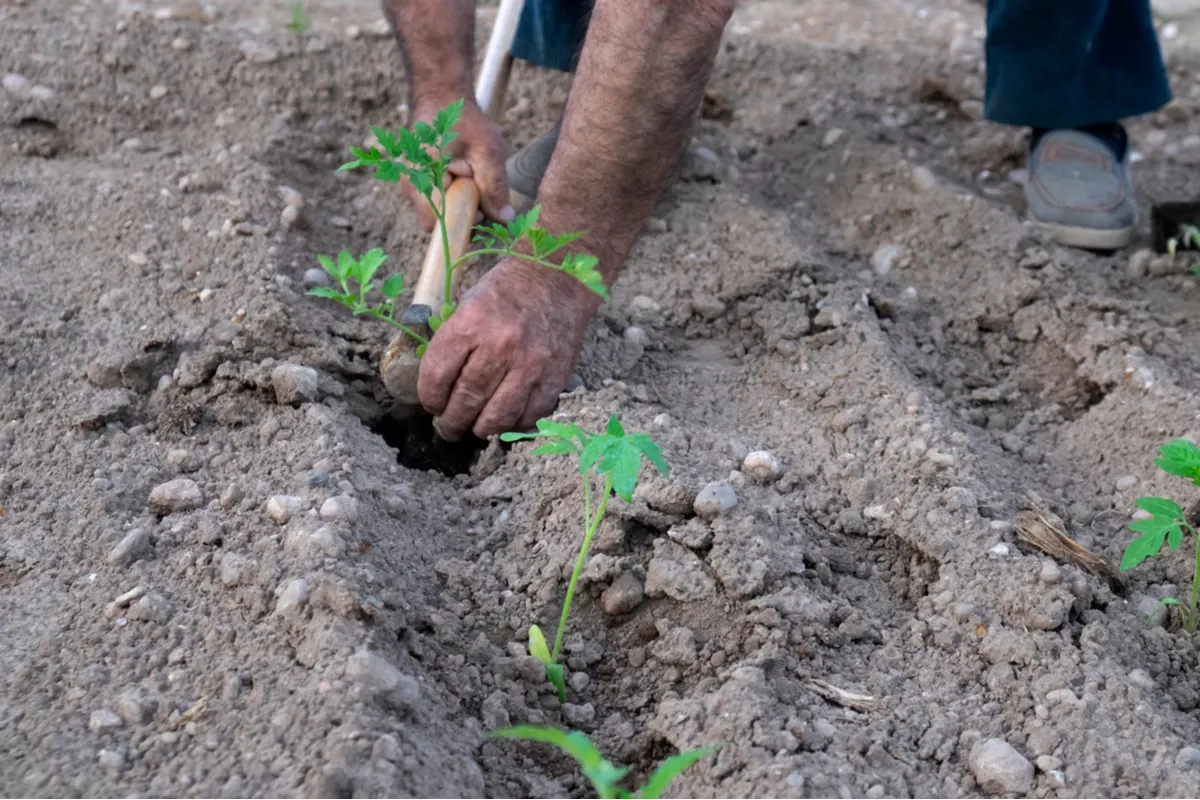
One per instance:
[(420, 155), (1168, 522), (606, 776), (616, 457)]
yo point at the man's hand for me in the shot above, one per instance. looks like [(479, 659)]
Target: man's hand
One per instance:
[(501, 361), (479, 153)]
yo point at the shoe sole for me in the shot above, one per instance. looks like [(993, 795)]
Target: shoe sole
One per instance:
[(1087, 238)]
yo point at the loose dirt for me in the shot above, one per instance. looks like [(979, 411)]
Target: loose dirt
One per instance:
[(839, 276)]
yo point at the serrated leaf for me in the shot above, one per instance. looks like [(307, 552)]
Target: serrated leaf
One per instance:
[(582, 267), (537, 645), (621, 463), (393, 286), (670, 769), (389, 171), (647, 447), (521, 223), (445, 119), (1159, 507), (554, 674), (327, 292), (369, 264), (1145, 546), (592, 451), (1180, 457), (422, 182), (327, 264), (425, 133), (554, 448)]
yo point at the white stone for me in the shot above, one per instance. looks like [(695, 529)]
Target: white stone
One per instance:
[(1000, 769), (762, 465)]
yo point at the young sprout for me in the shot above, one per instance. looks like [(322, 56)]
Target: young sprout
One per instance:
[(421, 156), (616, 457), (604, 775), (300, 21), (1168, 522)]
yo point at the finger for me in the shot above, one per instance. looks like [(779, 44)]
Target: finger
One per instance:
[(460, 168), (504, 409), (440, 368), (476, 384), (542, 400), (491, 177)]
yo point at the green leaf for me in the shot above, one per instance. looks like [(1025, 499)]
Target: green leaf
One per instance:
[(554, 674), (421, 348), (647, 447), (521, 223), (1166, 520), (670, 769), (434, 322), (592, 452), (369, 264), (393, 286), (602, 773), (621, 463), (327, 264), (554, 448), (389, 171), (537, 645), (446, 118), (422, 182), (1180, 457), (582, 267), (614, 427), (327, 292), (425, 133)]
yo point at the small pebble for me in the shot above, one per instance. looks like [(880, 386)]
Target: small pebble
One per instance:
[(623, 596), (15, 84), (1127, 483), (579, 681), (883, 259), (41, 93), (282, 507), (111, 759), (102, 720), (158, 92), (294, 384), (293, 597), (762, 466), (180, 44), (1050, 574), (1000, 769), (342, 507), (378, 676), (578, 715), (1139, 262), (181, 460), (714, 499), (315, 276), (707, 307), (832, 137), (181, 494), (135, 545), (636, 335)]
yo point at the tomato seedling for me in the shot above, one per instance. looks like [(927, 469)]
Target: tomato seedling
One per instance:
[(605, 775), (300, 22), (1167, 522), (420, 155), (617, 457)]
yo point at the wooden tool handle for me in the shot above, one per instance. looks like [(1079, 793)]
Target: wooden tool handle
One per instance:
[(462, 199)]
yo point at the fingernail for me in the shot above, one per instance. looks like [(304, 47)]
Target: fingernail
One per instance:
[(507, 214)]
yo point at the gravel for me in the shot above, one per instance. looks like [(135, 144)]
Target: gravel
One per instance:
[(342, 508), (762, 466), (293, 596), (102, 720)]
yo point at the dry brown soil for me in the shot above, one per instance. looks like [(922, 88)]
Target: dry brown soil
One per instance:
[(918, 404)]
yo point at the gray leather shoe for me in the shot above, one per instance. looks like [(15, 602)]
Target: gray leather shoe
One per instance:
[(527, 166), (1080, 192)]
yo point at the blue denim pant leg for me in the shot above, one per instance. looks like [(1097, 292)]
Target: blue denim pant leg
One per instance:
[(1072, 63), (550, 33)]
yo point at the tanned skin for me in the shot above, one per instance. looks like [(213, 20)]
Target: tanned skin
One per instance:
[(501, 361)]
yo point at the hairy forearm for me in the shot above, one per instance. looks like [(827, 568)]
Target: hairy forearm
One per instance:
[(637, 89), (437, 40)]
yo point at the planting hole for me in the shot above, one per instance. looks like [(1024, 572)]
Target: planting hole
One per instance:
[(418, 447)]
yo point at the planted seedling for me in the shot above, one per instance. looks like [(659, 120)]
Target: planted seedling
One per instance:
[(420, 155), (616, 457), (606, 776), (300, 22), (1168, 522)]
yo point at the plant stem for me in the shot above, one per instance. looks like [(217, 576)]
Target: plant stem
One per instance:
[(497, 251), (377, 314), (1192, 619), (590, 526)]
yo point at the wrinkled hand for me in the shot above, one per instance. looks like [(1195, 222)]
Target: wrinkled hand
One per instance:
[(501, 361), (479, 153)]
